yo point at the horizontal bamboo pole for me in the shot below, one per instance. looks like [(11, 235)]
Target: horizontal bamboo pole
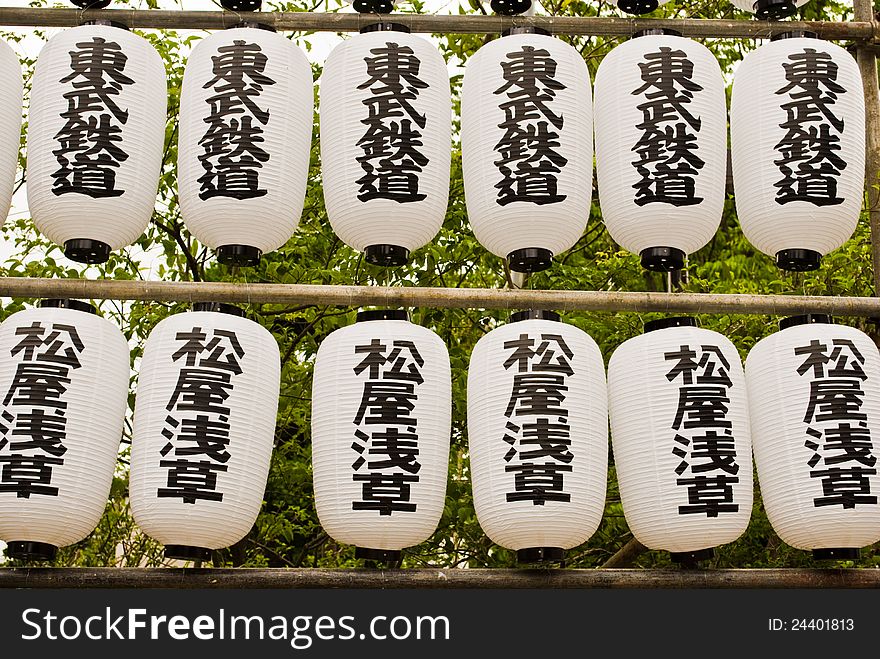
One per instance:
[(426, 578), (441, 24), (439, 298)]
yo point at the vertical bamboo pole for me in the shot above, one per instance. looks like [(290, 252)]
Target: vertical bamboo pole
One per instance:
[(867, 60)]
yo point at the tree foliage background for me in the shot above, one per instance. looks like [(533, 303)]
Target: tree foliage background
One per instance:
[(287, 532)]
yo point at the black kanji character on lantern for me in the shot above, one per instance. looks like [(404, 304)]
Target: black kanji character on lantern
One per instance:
[(191, 480), (809, 161), (233, 155), (668, 163), (709, 495), (89, 151), (385, 493), (392, 160), (538, 483), (529, 161)]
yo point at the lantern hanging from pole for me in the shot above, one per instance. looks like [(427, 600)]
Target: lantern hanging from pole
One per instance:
[(245, 139), (814, 399), (96, 132), (527, 147), (639, 7), (10, 124), (770, 9), (381, 422), (204, 427), (386, 123), (538, 435), (680, 438), (661, 123), (797, 137), (64, 375)]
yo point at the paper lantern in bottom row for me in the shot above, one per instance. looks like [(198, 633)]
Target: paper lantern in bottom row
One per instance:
[(538, 435), (64, 375), (381, 421), (814, 396), (204, 426), (681, 439)]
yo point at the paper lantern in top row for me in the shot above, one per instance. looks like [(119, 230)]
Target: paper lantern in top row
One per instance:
[(96, 132), (381, 422), (538, 435), (386, 125), (660, 122), (245, 140), (204, 427), (527, 147), (681, 439), (10, 124), (64, 375), (814, 398), (797, 138)]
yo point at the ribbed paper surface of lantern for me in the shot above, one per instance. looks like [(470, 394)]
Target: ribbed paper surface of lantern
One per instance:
[(246, 114), (814, 425), (685, 483), (195, 364), (652, 192), (386, 125), (10, 124), (56, 472), (515, 509), (364, 494), (92, 184), (791, 191), (527, 192)]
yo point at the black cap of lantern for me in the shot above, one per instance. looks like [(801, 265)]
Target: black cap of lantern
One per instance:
[(381, 314), (795, 34), (533, 314), (387, 256), (805, 319), (692, 558), (373, 6), (254, 25), (219, 307), (774, 9), (525, 29), (91, 4), (672, 321), (386, 26), (241, 255), (384, 555), (656, 32), (798, 260), (837, 554), (66, 303), (84, 250), (662, 259), (187, 553), (540, 555), (241, 5), (637, 6), (31, 551), (530, 259), (510, 7)]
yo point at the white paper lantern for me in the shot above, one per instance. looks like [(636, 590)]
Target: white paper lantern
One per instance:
[(814, 398), (680, 437), (538, 435), (797, 135), (96, 131), (10, 124), (204, 426), (770, 9), (639, 7), (661, 129), (386, 123), (246, 109), (381, 422), (527, 147), (64, 384)]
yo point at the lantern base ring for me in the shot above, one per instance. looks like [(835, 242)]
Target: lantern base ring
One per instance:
[(798, 260), (241, 255), (31, 551), (638, 6), (510, 7), (837, 554), (387, 555), (386, 255), (84, 250), (691, 558), (773, 9), (187, 553), (662, 259), (540, 555), (530, 259), (533, 314), (385, 26)]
